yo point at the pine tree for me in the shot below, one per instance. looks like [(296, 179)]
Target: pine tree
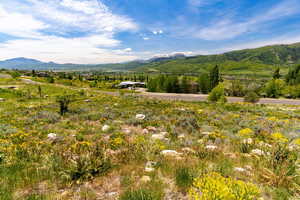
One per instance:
[(276, 74), (204, 83), (184, 85), (214, 77)]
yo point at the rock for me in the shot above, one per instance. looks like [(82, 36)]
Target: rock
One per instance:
[(2, 99), (206, 133), (150, 166), (145, 131), (105, 128), (158, 137), (127, 130), (239, 169), (145, 179), (211, 147), (111, 194), (52, 136), (258, 152), (87, 100), (152, 128), (170, 153), (181, 136), (140, 116)]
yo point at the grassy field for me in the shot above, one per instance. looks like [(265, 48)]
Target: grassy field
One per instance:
[(130, 148)]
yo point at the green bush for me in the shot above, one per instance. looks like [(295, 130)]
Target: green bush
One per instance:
[(251, 97), (217, 94), (140, 194), (274, 88), (184, 177), (64, 101)]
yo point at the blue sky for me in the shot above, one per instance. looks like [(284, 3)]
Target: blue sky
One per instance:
[(110, 31)]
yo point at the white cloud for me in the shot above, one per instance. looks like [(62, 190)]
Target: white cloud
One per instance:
[(64, 50), (157, 32), (146, 38), (230, 28), (18, 24), (32, 19)]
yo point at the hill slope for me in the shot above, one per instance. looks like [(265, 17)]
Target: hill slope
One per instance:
[(259, 60)]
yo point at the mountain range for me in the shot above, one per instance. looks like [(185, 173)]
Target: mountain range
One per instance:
[(259, 60)]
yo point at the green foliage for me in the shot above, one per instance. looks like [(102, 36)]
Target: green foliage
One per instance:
[(64, 101), (293, 76), (203, 82), (140, 194), (251, 97), (217, 94), (276, 74), (214, 77), (15, 74), (184, 177), (50, 79), (235, 88), (274, 88)]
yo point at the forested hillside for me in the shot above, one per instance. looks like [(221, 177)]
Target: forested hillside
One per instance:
[(260, 60)]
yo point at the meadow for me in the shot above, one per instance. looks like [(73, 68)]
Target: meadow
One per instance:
[(131, 148)]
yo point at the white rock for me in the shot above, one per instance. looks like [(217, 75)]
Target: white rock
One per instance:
[(52, 136), (239, 169), (150, 166), (181, 136), (145, 131), (211, 147), (87, 100), (105, 128), (206, 133), (152, 128), (170, 153), (2, 99), (140, 116), (158, 136), (127, 130), (258, 152)]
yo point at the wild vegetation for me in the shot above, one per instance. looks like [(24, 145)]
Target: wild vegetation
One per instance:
[(69, 140)]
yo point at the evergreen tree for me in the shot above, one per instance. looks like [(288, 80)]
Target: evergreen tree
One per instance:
[(184, 86), (204, 83), (214, 77), (276, 74)]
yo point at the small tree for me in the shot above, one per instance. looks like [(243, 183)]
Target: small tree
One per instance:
[(40, 91), (15, 74), (218, 94), (251, 97), (204, 84), (274, 88), (276, 74), (64, 101), (214, 77)]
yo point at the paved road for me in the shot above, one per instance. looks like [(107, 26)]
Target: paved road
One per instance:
[(200, 97), (183, 97)]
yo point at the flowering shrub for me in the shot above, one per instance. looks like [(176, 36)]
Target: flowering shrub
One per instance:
[(215, 186), (278, 137), (246, 133)]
